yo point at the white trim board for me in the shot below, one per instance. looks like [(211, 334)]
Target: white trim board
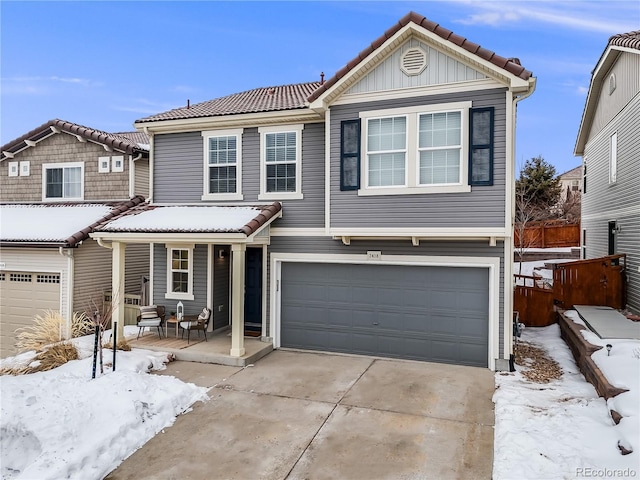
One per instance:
[(491, 263)]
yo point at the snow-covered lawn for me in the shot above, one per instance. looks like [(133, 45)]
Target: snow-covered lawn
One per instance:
[(62, 424), (562, 429)]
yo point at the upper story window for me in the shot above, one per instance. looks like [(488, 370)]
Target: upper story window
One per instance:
[(63, 181), (222, 165), (281, 162), (179, 272), (613, 158), (417, 150)]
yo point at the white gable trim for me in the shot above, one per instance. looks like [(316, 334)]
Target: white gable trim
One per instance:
[(373, 59)]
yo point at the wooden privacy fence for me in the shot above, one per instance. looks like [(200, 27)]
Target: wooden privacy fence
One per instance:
[(548, 236), (598, 281)]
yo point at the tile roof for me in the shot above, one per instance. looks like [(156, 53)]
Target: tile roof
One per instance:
[(192, 219), (289, 97), (117, 141), (140, 138), (511, 65), (629, 40), (265, 99), (56, 224)]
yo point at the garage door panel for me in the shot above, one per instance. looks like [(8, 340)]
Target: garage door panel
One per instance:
[(416, 312), (23, 295)]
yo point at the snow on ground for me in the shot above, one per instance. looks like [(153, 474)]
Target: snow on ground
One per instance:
[(62, 424), (562, 429)]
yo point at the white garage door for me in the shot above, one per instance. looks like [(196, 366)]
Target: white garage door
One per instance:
[(22, 296)]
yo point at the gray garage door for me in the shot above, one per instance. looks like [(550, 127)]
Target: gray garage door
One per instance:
[(437, 314)]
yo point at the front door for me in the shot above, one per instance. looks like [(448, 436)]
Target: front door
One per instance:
[(612, 238), (253, 292)]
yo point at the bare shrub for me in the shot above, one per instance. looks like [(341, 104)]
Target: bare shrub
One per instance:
[(49, 329), (48, 359)]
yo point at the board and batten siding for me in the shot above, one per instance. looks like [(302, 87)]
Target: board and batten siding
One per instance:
[(64, 148), (484, 206), (441, 69), (627, 79), (93, 268), (200, 263), (179, 173), (325, 245), (620, 201)]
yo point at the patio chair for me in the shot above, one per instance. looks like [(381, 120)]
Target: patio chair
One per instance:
[(196, 322), (151, 316)]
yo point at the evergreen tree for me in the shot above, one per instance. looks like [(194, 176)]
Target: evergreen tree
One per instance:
[(538, 183)]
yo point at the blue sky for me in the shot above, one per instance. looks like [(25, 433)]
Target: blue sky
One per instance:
[(106, 64)]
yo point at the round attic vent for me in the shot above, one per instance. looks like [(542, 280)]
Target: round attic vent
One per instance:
[(413, 61)]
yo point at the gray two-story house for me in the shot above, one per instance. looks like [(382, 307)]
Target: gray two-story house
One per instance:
[(370, 213), (609, 142)]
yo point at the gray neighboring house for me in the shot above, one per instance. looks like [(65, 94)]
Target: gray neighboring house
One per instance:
[(609, 142), (383, 202), (78, 176)]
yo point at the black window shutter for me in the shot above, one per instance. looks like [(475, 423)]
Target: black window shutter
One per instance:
[(481, 129), (350, 154)]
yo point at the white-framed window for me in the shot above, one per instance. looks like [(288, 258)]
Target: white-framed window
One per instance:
[(222, 165), (25, 168), (104, 164), (13, 169), (416, 150), (281, 162), (179, 272), (63, 181), (117, 163), (613, 158)]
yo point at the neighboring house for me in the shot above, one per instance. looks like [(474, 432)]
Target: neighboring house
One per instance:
[(609, 142), (56, 182), (571, 182), (370, 213)]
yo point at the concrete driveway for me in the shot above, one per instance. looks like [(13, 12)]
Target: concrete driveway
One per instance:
[(301, 415)]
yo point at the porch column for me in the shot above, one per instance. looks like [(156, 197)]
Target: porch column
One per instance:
[(117, 288), (238, 255)]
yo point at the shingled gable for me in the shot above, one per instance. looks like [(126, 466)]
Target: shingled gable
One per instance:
[(629, 42), (510, 65), (122, 142)]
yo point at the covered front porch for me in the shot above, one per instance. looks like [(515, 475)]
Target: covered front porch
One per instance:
[(215, 350), (199, 260)]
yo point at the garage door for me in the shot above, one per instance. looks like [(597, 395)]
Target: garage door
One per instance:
[(22, 296), (437, 314)]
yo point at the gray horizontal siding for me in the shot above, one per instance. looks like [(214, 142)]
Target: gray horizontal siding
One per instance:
[(600, 196), (191, 307), (179, 173), (328, 246), (482, 207), (604, 202), (626, 71)]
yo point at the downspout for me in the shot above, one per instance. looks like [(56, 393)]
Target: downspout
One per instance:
[(509, 246), (132, 176), (102, 244), (67, 252), (151, 149)]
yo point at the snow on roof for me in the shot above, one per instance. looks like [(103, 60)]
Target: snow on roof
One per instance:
[(184, 219), (47, 223)]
